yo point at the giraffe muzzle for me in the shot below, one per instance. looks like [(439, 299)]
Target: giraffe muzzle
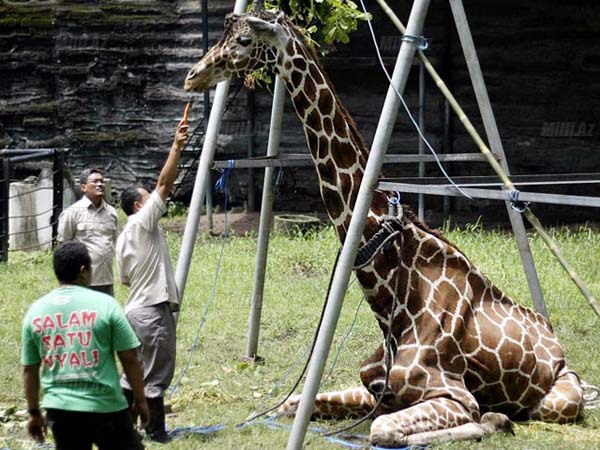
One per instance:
[(196, 81)]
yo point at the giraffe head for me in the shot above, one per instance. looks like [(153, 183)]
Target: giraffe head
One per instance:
[(251, 41)]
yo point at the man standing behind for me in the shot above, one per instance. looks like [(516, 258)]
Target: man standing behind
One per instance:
[(145, 266), (72, 334), (93, 222)]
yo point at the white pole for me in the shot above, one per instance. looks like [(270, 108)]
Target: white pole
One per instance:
[(206, 159), (422, 99), (357, 224), (266, 215)]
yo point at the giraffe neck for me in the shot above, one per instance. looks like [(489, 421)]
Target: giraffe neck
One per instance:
[(336, 147)]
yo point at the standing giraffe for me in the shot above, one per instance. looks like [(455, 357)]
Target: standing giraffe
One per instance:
[(462, 357)]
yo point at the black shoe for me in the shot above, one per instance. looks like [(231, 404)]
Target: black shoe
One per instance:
[(156, 429), (160, 437)]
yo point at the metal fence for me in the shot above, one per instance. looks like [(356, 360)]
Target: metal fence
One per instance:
[(12, 160)]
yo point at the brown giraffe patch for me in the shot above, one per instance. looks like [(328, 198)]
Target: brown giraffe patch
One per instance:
[(297, 77), (327, 126), (310, 88), (325, 102), (301, 102), (316, 74), (343, 159)]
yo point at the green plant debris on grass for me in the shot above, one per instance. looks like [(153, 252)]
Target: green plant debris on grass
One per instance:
[(219, 388)]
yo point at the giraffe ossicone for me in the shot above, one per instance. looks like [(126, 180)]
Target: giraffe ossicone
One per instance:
[(463, 359)]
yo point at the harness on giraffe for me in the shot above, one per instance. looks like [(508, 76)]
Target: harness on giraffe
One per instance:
[(391, 229)]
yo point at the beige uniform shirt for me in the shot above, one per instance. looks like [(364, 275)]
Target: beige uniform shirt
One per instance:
[(143, 258), (96, 228)]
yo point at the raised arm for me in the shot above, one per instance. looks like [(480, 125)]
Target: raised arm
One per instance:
[(169, 171)]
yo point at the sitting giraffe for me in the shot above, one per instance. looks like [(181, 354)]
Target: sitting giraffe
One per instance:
[(462, 357)]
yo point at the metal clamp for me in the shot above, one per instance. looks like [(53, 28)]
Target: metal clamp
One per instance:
[(421, 41), (515, 203)]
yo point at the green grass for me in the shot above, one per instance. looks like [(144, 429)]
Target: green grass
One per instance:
[(220, 388)]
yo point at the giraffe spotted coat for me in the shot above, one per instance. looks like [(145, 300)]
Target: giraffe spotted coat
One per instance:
[(463, 358)]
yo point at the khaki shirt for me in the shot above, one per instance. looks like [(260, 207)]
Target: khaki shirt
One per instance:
[(143, 258), (96, 228)]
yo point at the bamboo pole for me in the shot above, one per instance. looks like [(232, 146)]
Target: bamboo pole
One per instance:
[(483, 148)]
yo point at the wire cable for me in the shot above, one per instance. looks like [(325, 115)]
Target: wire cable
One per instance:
[(407, 109)]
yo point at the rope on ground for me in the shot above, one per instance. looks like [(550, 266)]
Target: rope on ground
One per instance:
[(353, 441), (484, 149), (343, 439)]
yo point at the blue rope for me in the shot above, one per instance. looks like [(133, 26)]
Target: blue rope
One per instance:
[(221, 184), (271, 423), (210, 429), (195, 346), (394, 200)]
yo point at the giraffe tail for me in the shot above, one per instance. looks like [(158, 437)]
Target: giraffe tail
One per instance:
[(591, 395)]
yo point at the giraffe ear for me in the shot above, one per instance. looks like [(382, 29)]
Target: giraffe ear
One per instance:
[(258, 6), (230, 19), (262, 26)]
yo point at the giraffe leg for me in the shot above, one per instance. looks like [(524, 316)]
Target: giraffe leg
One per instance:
[(563, 403), (490, 423), (355, 402), (438, 418)]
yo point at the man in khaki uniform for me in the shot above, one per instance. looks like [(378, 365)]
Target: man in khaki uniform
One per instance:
[(145, 266), (93, 222)]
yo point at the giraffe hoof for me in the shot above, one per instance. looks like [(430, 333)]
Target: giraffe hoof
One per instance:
[(290, 406), (384, 433), (496, 422)]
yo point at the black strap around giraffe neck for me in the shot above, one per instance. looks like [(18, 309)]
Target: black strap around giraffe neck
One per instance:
[(390, 229)]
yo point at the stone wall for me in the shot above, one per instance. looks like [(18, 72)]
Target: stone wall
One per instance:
[(105, 80)]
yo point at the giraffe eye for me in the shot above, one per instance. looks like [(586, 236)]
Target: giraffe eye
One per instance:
[(244, 40)]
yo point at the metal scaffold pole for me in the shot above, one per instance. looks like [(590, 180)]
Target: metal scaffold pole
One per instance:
[(199, 192), (266, 215), (357, 223)]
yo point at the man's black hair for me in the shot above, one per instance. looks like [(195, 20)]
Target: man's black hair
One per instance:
[(68, 259), (128, 197), (85, 174)]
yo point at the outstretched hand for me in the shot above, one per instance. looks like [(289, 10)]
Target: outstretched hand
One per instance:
[(181, 135)]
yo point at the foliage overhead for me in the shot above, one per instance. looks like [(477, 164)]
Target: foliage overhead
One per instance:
[(326, 22)]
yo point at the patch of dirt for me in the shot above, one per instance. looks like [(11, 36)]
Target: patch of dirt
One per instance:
[(239, 223)]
